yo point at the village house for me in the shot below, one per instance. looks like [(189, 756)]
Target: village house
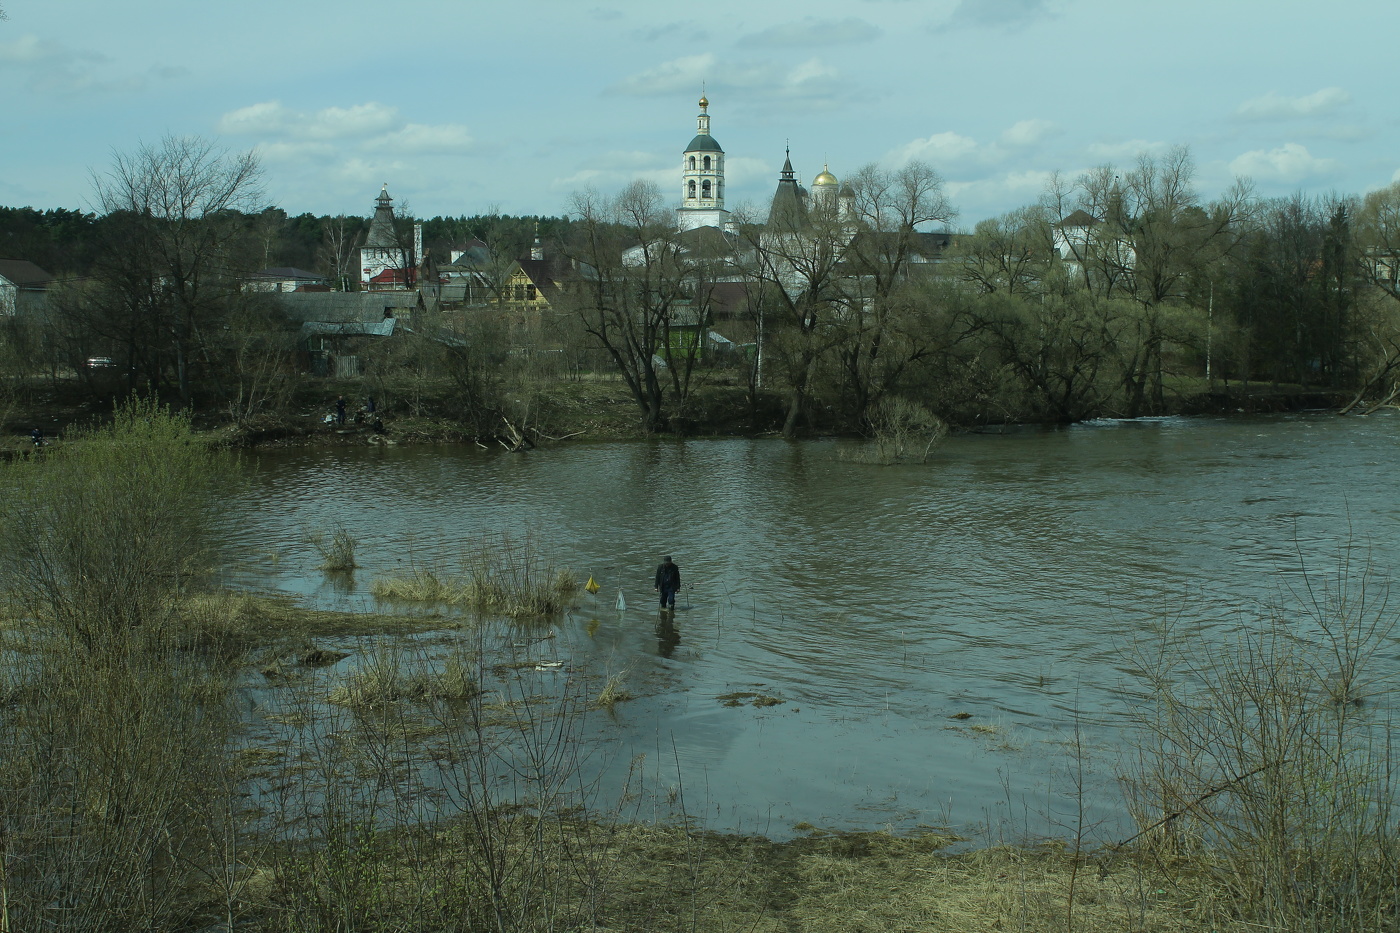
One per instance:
[(22, 286)]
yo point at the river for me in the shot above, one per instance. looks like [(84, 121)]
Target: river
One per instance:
[(937, 632)]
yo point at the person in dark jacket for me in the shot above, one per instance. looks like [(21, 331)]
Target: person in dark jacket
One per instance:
[(668, 581)]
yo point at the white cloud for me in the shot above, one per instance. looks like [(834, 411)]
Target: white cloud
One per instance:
[(370, 127), (1028, 132), (31, 50), (1274, 107), (419, 137), (678, 74), (740, 170), (294, 153), (813, 71), (368, 173), (812, 32), (687, 30), (610, 180), (1289, 163), (271, 118), (1025, 185), (938, 149)]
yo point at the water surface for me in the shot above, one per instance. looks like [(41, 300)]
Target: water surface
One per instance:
[(1003, 579)]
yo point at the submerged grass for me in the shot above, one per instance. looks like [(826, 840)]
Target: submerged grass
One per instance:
[(247, 621)]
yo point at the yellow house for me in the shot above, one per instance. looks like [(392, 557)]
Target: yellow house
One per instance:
[(530, 285)]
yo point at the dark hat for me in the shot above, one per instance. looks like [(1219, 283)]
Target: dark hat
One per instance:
[(666, 559)]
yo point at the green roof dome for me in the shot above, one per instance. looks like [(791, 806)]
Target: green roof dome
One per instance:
[(703, 143)]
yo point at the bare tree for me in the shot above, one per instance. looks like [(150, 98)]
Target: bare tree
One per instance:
[(796, 259), (640, 279), (884, 260), (341, 239), (1152, 240), (177, 261)]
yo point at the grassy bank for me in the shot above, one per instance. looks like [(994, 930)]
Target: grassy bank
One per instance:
[(639, 877)]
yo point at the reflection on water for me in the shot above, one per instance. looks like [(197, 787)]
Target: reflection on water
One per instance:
[(1000, 580)]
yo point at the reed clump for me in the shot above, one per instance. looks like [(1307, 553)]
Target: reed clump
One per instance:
[(337, 549), (499, 576), (385, 677), (420, 586)]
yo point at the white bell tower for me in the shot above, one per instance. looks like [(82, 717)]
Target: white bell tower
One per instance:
[(702, 178)]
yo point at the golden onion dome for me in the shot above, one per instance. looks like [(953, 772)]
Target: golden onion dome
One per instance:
[(825, 179), (704, 102)]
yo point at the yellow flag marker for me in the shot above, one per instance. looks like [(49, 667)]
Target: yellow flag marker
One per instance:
[(592, 586)]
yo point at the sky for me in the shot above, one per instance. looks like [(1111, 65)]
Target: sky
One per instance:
[(466, 107)]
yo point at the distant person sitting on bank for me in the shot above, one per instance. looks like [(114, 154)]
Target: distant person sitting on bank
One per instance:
[(668, 581)]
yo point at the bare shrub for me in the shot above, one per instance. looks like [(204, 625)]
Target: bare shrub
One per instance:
[(902, 431), (1267, 760), (117, 784), (108, 532)]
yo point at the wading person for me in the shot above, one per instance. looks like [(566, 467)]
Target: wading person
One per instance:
[(668, 581)]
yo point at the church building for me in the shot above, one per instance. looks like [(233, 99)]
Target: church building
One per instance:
[(386, 260)]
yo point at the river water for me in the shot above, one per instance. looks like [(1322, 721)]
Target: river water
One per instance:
[(937, 632)]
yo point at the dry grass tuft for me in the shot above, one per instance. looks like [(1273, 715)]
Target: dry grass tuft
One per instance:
[(613, 692), (383, 678), (420, 586)]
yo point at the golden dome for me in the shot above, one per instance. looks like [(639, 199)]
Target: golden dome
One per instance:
[(824, 179), (704, 102)]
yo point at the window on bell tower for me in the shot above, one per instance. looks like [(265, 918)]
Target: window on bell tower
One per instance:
[(707, 163), (705, 188), (692, 163), (692, 189)]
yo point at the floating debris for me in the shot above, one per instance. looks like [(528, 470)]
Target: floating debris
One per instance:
[(755, 699)]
